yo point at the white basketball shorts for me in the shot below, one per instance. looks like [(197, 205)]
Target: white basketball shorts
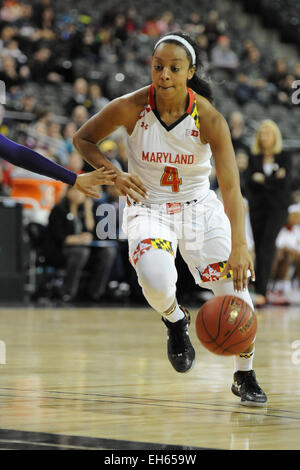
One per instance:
[(200, 229)]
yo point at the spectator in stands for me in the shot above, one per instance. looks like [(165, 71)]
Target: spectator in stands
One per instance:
[(80, 115), (120, 30), (238, 131), (214, 28), (286, 272), (43, 68), (68, 132), (279, 72), (79, 95), (244, 54), (202, 42), (285, 90), (150, 27), (68, 245), (75, 163), (98, 101), (109, 148), (56, 143), (131, 20), (269, 195), (194, 25), (9, 73), (38, 12), (296, 71), (242, 160), (251, 79), (222, 56), (166, 23), (107, 50)]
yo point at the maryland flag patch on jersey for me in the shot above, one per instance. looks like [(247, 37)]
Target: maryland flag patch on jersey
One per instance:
[(212, 272), (145, 245)]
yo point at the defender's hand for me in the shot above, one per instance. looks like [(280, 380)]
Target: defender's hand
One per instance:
[(88, 183)]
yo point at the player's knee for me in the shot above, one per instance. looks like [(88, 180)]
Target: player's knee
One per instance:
[(158, 280)]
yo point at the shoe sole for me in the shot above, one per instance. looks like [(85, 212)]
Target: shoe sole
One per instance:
[(254, 404)]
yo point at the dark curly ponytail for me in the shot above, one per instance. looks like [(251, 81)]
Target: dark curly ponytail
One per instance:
[(199, 85)]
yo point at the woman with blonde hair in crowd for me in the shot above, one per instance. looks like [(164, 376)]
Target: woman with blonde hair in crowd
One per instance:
[(269, 195)]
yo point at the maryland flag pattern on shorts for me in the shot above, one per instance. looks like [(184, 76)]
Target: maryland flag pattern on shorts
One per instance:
[(212, 272), (145, 245)]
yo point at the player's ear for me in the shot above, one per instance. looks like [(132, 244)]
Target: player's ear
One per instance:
[(191, 72)]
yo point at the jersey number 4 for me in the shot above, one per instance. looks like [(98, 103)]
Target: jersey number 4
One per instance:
[(170, 178)]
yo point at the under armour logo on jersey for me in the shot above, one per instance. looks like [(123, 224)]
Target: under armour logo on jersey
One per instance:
[(145, 126), (192, 132)]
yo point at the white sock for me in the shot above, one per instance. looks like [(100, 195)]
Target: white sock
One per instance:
[(244, 361), (174, 314)]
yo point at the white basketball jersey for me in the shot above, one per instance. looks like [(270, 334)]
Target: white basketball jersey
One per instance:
[(171, 161)]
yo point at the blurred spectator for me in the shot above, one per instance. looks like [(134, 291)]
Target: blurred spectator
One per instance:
[(214, 28), (109, 148), (68, 133), (80, 115), (98, 101), (203, 52), (68, 244), (296, 71), (47, 19), (12, 49), (286, 272), (107, 50), (166, 23), (222, 56), (38, 12), (279, 72), (150, 27), (269, 195), (238, 131), (56, 145), (251, 79), (247, 46), (120, 29), (7, 34), (79, 95), (242, 160), (194, 25), (76, 162), (285, 90), (86, 44), (43, 68), (131, 20), (9, 73)]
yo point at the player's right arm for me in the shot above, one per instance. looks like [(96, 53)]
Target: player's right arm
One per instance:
[(124, 112)]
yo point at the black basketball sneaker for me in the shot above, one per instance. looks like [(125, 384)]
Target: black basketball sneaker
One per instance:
[(246, 386), (181, 353)]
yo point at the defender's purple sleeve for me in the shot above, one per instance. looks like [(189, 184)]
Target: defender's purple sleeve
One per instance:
[(30, 160)]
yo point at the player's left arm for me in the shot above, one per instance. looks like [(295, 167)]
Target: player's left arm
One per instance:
[(216, 132)]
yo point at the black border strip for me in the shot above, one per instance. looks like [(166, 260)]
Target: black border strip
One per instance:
[(32, 440)]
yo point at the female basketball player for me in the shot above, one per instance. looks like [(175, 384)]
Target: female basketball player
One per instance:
[(30, 160), (172, 131)]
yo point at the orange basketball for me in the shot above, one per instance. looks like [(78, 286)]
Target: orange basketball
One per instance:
[(226, 325)]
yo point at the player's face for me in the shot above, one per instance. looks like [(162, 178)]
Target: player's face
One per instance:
[(170, 70)]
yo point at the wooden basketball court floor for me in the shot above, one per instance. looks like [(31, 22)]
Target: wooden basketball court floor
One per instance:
[(95, 378)]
